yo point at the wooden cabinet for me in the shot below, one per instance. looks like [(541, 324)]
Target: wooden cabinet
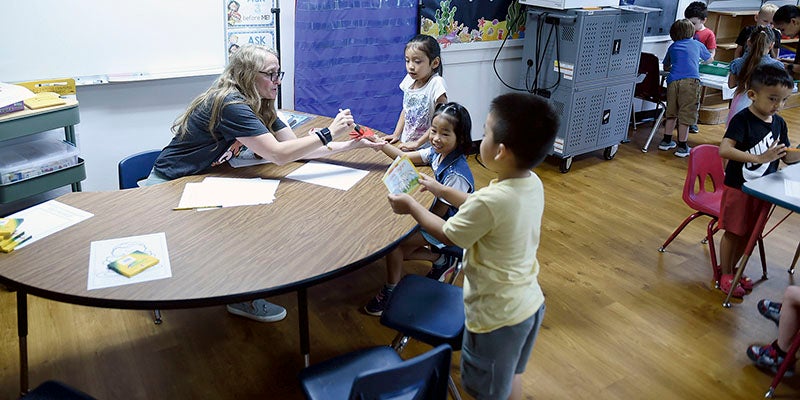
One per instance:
[(726, 25), (30, 122)]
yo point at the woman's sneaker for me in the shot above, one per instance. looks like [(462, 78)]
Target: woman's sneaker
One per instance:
[(771, 310), (378, 303), (258, 310), (767, 357)]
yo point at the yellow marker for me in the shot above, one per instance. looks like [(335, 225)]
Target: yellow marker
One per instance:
[(11, 245)]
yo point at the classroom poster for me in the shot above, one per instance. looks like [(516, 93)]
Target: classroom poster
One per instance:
[(466, 21), (249, 22)]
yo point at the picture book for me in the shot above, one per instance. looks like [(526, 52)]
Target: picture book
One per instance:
[(402, 176)]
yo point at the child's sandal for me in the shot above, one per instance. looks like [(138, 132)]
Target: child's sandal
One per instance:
[(726, 283)]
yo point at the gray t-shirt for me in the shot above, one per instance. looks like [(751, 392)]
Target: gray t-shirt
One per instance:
[(198, 150)]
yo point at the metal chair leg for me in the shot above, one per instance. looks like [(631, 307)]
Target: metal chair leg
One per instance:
[(794, 260), (157, 317), (453, 389), (399, 343)]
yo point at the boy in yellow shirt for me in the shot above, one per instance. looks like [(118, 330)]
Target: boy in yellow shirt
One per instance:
[(499, 226)]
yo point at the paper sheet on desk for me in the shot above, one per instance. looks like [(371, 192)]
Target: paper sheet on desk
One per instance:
[(47, 218), (103, 252), (228, 192), (330, 175), (792, 188)]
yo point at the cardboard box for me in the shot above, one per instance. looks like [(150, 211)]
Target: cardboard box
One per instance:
[(713, 114)]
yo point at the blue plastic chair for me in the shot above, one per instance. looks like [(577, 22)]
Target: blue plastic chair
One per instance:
[(136, 167), (130, 171), (429, 311), (379, 373), (54, 390)]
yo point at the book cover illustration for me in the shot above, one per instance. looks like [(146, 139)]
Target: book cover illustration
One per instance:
[(402, 176), (133, 263)]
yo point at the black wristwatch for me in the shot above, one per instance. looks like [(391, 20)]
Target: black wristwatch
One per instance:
[(326, 133)]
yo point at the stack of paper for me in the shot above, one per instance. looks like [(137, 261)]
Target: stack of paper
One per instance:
[(12, 97), (215, 192)]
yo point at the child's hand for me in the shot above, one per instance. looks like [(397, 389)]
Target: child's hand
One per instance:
[(774, 152), (371, 142), (410, 146), (401, 203), (430, 184), (391, 139)]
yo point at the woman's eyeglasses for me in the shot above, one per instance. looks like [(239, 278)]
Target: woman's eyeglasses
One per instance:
[(275, 77)]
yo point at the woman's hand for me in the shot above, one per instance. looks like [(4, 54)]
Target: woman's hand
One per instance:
[(430, 184), (342, 124)]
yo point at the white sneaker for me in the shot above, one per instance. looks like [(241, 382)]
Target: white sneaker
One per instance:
[(258, 310)]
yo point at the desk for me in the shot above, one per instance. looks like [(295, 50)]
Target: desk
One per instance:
[(309, 234), (771, 189)]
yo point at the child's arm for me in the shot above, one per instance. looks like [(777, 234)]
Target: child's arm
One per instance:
[(450, 194), (398, 129), (410, 146), (393, 152), (432, 223), (728, 150), (732, 81), (738, 52)]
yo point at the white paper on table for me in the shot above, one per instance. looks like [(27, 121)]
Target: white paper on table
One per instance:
[(47, 218), (792, 188), (243, 192), (10, 94), (330, 175), (228, 192), (103, 252)]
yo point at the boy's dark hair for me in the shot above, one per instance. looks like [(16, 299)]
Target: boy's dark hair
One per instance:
[(696, 9), (681, 29), (785, 14), (462, 124), (770, 75), (526, 124), (430, 47)]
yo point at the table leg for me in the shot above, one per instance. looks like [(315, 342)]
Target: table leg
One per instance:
[(302, 313), (763, 213), (22, 332), (794, 260)]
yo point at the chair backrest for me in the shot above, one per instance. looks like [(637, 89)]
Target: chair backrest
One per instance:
[(650, 88), (421, 377), (702, 189), (136, 167)]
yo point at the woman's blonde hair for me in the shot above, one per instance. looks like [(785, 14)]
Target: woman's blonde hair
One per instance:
[(239, 76)]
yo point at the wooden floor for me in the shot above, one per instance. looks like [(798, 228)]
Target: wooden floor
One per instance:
[(623, 321)]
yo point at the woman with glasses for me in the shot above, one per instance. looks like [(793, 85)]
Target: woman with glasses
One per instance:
[(239, 110)]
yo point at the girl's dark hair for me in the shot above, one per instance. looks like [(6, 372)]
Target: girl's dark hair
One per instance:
[(760, 41), (428, 45), (785, 14), (681, 29), (462, 124)]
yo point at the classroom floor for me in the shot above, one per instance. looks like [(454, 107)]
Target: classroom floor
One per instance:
[(623, 321)]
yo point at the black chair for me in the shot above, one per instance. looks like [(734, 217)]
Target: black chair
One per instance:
[(130, 171), (429, 311), (379, 373), (650, 89), (54, 390)]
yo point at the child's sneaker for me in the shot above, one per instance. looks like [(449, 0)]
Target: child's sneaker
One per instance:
[(726, 283), (378, 303), (258, 310), (440, 272), (665, 145), (771, 310), (767, 357), (694, 129), (683, 152)]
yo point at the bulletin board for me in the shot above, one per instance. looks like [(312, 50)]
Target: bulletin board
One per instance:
[(98, 39)]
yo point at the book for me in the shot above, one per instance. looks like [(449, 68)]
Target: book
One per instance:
[(401, 176), (133, 263), (13, 107)]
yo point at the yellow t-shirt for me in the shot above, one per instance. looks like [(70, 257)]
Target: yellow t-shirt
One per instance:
[(499, 226)]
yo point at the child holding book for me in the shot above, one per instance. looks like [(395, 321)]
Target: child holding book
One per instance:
[(450, 139), (499, 226)]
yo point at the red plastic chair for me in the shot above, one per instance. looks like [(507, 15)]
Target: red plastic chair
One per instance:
[(705, 165)]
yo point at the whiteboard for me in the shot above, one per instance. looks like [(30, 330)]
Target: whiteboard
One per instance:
[(96, 39)]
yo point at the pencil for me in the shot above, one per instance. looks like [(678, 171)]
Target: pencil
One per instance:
[(194, 208)]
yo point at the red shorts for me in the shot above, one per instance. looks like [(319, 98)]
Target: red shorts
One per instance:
[(739, 211)]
